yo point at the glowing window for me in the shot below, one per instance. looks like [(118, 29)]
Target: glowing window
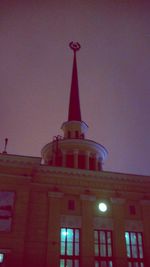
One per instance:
[(1, 257), (134, 248), (70, 247), (103, 248)]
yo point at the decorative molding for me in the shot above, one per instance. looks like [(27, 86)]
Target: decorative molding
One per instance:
[(117, 200), (55, 194), (19, 161), (87, 197), (133, 225), (71, 221), (103, 223)]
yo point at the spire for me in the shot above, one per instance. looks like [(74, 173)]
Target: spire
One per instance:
[(74, 113)]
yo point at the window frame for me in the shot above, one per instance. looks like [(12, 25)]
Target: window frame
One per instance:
[(74, 257), (8, 209), (132, 247), (108, 259)]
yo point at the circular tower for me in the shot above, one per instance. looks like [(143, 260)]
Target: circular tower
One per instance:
[(73, 150)]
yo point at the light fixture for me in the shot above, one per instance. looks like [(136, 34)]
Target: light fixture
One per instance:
[(102, 206)]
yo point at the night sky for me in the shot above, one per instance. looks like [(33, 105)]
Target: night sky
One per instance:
[(113, 71)]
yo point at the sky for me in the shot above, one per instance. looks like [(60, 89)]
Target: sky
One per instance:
[(113, 71)]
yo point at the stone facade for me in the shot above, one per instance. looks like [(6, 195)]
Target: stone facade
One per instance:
[(41, 208)]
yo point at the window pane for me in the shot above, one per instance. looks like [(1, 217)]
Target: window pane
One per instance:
[(77, 235), (110, 264), (76, 263), (103, 250), (102, 237), (103, 264), (134, 252), (69, 234), (69, 263), (141, 252), (139, 238), (96, 250), (96, 236), (62, 263), (63, 234), (62, 248), (108, 237), (128, 251), (127, 238), (133, 239), (129, 264), (96, 264), (69, 248), (109, 251), (76, 249)]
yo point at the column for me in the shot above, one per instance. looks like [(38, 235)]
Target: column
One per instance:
[(87, 160), (75, 153), (96, 162), (54, 229), (64, 158), (120, 257), (87, 243)]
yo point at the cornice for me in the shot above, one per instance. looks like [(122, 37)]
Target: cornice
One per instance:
[(19, 161), (96, 180), (96, 174)]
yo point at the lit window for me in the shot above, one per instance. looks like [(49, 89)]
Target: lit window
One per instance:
[(103, 248), (70, 247), (6, 209), (134, 247), (1, 257)]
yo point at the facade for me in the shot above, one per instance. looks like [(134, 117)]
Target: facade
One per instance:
[(63, 210)]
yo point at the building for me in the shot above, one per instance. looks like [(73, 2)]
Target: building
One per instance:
[(63, 210)]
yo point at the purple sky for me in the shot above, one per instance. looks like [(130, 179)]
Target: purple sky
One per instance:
[(113, 70)]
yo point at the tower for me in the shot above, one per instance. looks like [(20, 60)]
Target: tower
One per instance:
[(73, 150)]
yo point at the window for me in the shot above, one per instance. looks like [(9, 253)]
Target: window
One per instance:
[(134, 247), (6, 208), (70, 247), (71, 204), (1, 258), (103, 248), (132, 210)]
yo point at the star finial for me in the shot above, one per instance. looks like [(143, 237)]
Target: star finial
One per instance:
[(75, 46)]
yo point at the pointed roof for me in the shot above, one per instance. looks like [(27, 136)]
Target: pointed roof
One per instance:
[(74, 113)]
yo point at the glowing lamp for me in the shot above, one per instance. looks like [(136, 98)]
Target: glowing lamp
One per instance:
[(102, 207)]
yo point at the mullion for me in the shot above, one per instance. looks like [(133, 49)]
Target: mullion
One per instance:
[(73, 244), (130, 245)]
